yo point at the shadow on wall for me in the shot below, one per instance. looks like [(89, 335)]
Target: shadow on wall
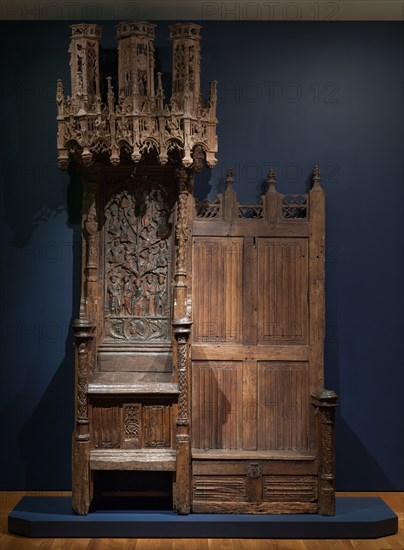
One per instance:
[(355, 465), (45, 440), (356, 469), (43, 200)]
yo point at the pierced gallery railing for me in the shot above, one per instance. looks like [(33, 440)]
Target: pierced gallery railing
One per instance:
[(273, 206)]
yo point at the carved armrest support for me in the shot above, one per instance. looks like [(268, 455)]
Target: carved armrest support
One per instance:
[(325, 402), (182, 499), (182, 330), (84, 332)]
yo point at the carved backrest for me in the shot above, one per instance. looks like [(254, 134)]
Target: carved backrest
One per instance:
[(137, 252)]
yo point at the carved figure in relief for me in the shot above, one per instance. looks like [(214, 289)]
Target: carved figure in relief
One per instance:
[(113, 225), (116, 254), (161, 292), (127, 295), (147, 232), (124, 230), (150, 294), (114, 292), (128, 259), (137, 299), (161, 260)]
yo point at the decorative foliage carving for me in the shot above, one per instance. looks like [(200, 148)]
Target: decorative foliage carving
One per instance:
[(84, 336), (139, 122), (137, 258), (254, 470), (182, 329), (181, 228), (82, 383), (325, 403), (132, 424)]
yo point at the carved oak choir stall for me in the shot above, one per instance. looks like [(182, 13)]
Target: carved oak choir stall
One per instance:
[(201, 328)]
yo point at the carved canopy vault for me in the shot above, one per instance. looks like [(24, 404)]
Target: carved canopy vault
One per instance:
[(199, 344)]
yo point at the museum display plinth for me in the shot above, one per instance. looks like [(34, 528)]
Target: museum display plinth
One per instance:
[(355, 517)]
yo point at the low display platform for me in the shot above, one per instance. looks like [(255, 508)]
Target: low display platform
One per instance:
[(356, 517)]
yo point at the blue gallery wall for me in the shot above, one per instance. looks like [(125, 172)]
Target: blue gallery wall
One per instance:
[(290, 94)]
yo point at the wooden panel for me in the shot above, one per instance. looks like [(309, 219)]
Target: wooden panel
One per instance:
[(283, 412), (270, 465), (220, 489), (224, 352), (250, 228), (139, 459), (283, 286), (137, 254), (135, 361), (289, 488), (249, 420), (250, 292), (106, 427), (217, 283), (157, 425), (210, 507), (217, 405)]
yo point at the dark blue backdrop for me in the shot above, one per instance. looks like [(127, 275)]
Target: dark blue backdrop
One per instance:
[(290, 94)]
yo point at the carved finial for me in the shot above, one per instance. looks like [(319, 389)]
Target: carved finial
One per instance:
[(181, 175), (316, 176), (213, 93), (229, 177), (198, 158), (110, 96), (160, 93), (59, 92), (271, 180)]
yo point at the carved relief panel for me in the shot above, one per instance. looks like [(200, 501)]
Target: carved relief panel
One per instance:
[(119, 425), (137, 260)]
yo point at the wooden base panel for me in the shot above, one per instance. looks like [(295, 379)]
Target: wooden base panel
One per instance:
[(254, 508)]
